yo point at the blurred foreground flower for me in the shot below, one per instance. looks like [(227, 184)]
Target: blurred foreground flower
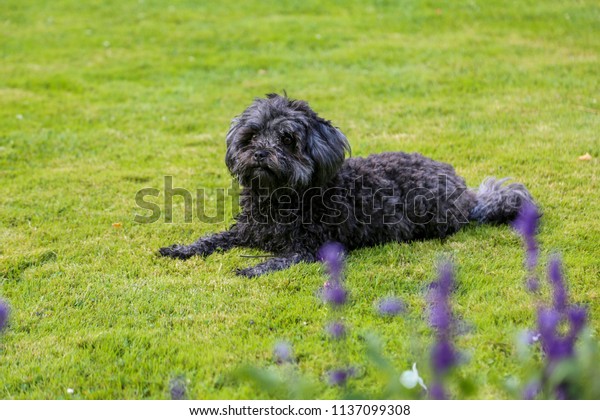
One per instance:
[(443, 356), (333, 292), (4, 312), (559, 325), (282, 353), (555, 276), (556, 344), (390, 307), (410, 378), (336, 330), (526, 224), (332, 254), (177, 388), (339, 377)]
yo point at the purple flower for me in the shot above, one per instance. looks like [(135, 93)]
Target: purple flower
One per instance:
[(532, 284), (334, 293), (437, 391), (338, 377), (336, 330), (443, 357), (577, 316), (177, 388), (555, 346), (440, 315), (282, 353), (561, 392), (532, 389), (4, 312), (548, 320), (526, 224), (390, 306), (445, 277), (558, 285), (332, 253), (532, 253)]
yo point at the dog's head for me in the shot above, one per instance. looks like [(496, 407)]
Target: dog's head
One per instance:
[(280, 142)]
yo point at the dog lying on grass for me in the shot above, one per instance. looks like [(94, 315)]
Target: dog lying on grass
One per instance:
[(300, 192)]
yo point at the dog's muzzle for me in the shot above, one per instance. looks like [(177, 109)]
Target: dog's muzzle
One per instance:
[(260, 155)]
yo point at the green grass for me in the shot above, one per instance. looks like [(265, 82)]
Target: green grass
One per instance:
[(101, 98)]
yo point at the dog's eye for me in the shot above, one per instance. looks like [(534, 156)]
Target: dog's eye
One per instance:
[(287, 139), (254, 136)]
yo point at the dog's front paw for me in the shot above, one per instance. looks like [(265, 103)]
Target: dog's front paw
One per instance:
[(182, 252), (248, 272)]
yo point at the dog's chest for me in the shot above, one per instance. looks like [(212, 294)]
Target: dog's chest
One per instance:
[(284, 223)]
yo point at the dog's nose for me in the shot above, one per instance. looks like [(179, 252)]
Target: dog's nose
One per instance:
[(260, 155)]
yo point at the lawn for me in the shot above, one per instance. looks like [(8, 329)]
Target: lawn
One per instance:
[(99, 99)]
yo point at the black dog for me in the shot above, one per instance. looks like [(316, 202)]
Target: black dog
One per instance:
[(300, 192)]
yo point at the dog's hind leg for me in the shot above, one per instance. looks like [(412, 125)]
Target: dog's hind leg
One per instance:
[(205, 246), (275, 264)]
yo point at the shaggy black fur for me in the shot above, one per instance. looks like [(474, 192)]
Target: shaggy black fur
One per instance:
[(300, 192)]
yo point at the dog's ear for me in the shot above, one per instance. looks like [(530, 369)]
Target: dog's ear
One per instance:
[(327, 146), (232, 148)]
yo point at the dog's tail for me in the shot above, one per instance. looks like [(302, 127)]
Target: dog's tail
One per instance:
[(499, 203)]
